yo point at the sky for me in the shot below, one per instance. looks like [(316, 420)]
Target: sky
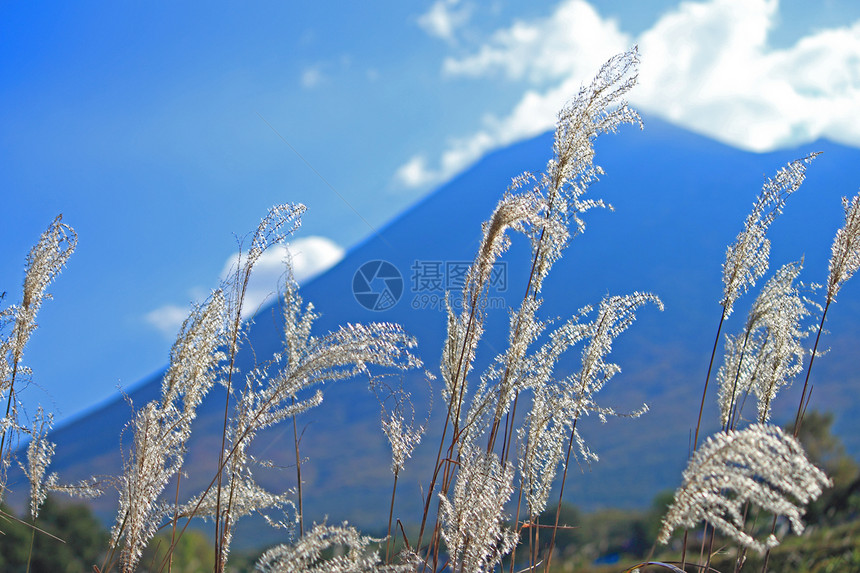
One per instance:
[(163, 132)]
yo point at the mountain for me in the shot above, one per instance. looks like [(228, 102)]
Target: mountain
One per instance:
[(679, 199)]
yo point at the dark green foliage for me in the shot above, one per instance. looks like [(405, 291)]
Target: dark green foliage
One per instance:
[(831, 542), (821, 550), (13, 542), (194, 553), (84, 539), (840, 503), (609, 534)]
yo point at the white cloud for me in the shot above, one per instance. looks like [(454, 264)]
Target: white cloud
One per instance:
[(308, 257), (312, 77), (443, 19), (567, 47), (312, 256), (532, 116), (167, 319), (705, 66), (415, 173), (572, 42), (708, 67)]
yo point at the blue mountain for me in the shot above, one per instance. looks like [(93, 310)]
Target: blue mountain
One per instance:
[(679, 199)]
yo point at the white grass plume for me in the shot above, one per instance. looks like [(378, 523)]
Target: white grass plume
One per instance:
[(40, 450), (247, 498), (280, 222), (44, 262), (768, 352), (845, 253), (543, 212), (514, 212), (473, 523), (558, 404), (747, 258), (352, 553), (273, 393), (17, 323), (614, 316), (289, 385), (543, 208), (398, 422), (761, 465), (162, 427), (542, 438), (598, 108)]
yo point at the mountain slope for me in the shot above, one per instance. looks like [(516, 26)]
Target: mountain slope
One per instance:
[(679, 199)]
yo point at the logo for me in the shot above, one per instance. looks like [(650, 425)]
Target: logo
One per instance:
[(377, 285), (432, 279)]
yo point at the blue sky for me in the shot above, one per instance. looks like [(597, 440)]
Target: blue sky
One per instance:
[(164, 131)]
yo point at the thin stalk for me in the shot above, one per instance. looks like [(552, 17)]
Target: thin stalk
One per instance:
[(738, 411), (702, 546), (403, 533), (731, 419), (457, 389), (530, 528), (432, 486), (710, 549), (741, 559), (107, 564), (517, 526), (299, 475), (9, 403), (434, 545), (701, 409), (220, 536), (509, 430), (799, 418), (684, 551), (11, 517), (806, 405), (767, 553), (446, 479), (173, 522), (30, 552), (560, 496), (707, 378), (154, 555), (390, 516)]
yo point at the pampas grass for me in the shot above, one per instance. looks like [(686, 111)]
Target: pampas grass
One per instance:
[(508, 432)]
